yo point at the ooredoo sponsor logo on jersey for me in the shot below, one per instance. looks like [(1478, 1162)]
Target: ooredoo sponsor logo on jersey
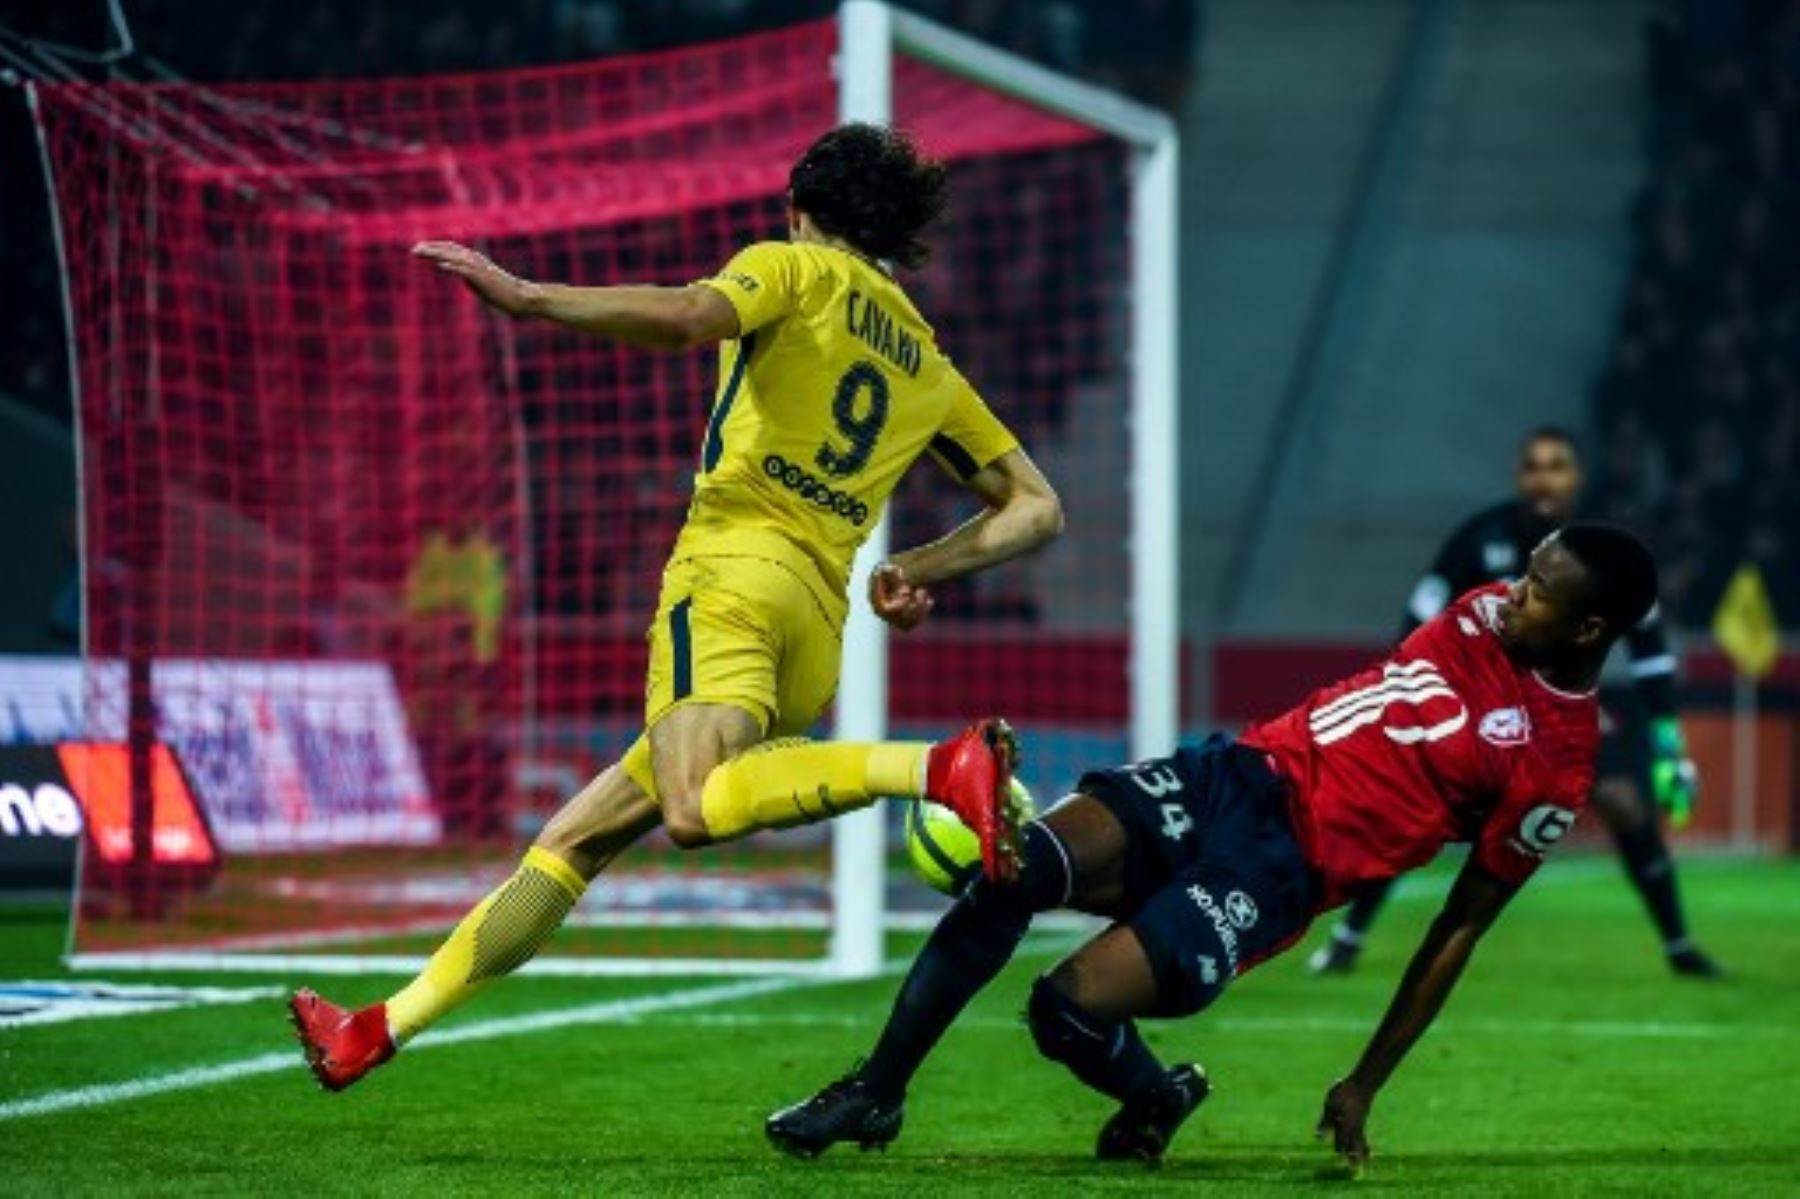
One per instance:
[(807, 486)]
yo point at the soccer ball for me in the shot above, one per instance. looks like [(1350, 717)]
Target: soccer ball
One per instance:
[(944, 851)]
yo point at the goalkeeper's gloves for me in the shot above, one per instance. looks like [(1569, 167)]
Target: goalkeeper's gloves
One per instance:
[(1673, 779)]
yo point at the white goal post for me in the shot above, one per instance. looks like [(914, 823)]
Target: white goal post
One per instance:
[(870, 34)]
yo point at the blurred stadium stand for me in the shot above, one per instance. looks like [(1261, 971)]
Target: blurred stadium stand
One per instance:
[(1698, 409)]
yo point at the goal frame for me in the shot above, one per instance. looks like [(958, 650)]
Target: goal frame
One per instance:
[(871, 34)]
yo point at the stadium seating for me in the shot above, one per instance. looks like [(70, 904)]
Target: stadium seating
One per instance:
[(1699, 406)]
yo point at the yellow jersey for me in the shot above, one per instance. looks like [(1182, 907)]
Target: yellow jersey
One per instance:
[(833, 388)]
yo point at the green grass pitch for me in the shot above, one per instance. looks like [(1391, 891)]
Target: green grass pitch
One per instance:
[(1569, 1063)]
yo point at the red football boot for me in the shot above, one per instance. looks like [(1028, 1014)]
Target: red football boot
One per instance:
[(971, 774), (341, 1046)]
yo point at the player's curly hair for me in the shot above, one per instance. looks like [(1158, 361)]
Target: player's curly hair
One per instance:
[(1621, 573), (873, 187)]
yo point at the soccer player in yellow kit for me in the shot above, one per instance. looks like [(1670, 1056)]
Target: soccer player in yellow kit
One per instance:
[(831, 386)]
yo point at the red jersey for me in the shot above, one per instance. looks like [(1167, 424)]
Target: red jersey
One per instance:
[(1448, 740)]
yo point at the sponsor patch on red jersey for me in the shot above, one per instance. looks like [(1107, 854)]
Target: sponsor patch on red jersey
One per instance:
[(1541, 828)]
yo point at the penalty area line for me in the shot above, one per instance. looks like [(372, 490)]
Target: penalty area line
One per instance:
[(612, 1011)]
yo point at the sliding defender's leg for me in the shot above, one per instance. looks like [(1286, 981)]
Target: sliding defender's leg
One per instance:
[(1084, 1013), (1240, 891), (1072, 858)]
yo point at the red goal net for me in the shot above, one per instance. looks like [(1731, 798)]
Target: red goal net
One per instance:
[(376, 566)]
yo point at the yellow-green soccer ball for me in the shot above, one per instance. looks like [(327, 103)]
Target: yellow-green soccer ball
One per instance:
[(945, 851)]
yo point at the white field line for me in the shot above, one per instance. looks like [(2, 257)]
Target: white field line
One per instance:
[(649, 1009), (62, 1001), (610, 1011), (636, 1008), (614, 1011)]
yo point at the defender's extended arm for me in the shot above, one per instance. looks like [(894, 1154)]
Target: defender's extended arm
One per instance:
[(1474, 903)]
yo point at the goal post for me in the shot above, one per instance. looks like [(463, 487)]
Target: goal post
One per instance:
[(872, 33), (366, 569), (865, 67)]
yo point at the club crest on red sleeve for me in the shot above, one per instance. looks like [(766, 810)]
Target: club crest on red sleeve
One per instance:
[(1506, 727)]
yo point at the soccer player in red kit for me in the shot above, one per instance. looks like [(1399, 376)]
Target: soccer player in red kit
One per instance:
[(1482, 728)]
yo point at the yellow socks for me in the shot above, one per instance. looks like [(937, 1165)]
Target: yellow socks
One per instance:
[(779, 784), (501, 933)]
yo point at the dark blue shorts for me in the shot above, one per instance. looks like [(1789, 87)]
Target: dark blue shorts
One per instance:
[(1214, 878)]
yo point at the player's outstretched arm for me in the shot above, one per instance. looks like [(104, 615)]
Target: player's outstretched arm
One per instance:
[(1022, 513), (1475, 901), (656, 318)]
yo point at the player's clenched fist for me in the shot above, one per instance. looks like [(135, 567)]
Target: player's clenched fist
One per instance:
[(496, 287), (1346, 1111), (896, 599)]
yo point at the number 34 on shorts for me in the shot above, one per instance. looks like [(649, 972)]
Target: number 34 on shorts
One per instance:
[(1158, 779)]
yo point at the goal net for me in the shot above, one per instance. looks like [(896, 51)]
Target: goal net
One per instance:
[(367, 570)]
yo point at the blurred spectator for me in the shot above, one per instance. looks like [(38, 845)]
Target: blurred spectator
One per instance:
[(1698, 410)]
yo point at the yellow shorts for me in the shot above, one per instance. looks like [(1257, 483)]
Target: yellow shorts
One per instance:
[(747, 632)]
